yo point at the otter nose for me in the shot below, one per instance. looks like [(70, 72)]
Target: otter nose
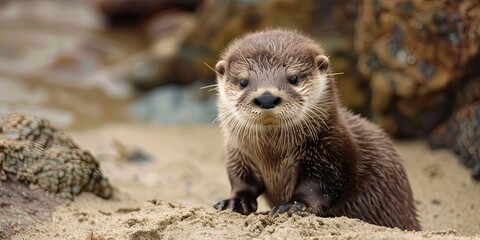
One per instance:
[(267, 100)]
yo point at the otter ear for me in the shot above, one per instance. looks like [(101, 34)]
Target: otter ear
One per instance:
[(322, 63), (220, 67)]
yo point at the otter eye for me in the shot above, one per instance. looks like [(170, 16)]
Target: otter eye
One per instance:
[(293, 80), (243, 83)]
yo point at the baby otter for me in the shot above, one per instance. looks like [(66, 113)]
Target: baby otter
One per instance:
[(287, 137)]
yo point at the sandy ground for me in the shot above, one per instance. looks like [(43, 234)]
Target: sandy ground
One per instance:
[(170, 194)]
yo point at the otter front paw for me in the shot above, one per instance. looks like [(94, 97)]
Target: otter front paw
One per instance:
[(289, 209), (239, 205)]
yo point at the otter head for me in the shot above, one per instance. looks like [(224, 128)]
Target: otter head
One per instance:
[(272, 78)]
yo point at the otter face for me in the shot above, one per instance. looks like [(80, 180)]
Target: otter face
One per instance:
[(272, 78)]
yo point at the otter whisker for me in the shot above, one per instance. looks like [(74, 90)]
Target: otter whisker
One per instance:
[(228, 119), (213, 69), (290, 134), (324, 61), (216, 119), (209, 86), (334, 74), (308, 125), (322, 112), (313, 122)]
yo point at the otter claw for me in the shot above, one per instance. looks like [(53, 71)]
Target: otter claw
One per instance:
[(289, 209), (238, 205)]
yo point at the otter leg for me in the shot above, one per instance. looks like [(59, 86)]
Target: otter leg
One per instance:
[(307, 198), (241, 204), (323, 181), (246, 187), (289, 208)]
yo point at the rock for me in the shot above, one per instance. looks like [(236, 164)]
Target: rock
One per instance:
[(34, 152), (461, 134)]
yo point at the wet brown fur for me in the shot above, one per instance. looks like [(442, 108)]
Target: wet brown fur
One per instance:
[(318, 154)]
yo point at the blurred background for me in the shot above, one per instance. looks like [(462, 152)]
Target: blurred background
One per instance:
[(410, 66)]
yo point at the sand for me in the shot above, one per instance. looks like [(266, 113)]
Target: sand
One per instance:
[(176, 173)]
